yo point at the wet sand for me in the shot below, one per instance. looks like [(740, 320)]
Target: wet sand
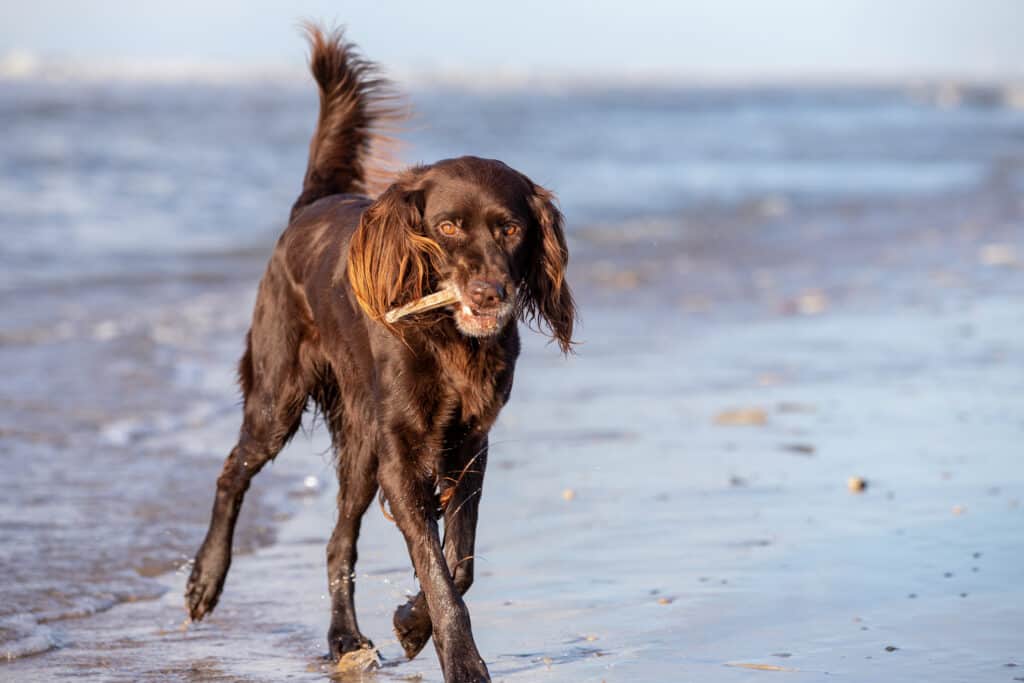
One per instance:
[(706, 437)]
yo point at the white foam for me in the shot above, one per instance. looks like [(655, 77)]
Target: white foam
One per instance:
[(24, 636)]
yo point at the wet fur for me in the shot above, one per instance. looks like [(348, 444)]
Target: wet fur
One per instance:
[(408, 405)]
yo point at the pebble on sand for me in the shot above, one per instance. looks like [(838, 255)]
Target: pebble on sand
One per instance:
[(998, 255), (856, 484), (812, 302), (742, 416), (759, 667), (792, 407)]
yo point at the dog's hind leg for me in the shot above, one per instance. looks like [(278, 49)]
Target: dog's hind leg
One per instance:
[(274, 399), (357, 482)]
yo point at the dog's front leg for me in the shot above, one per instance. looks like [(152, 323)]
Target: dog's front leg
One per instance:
[(461, 488), (409, 490)]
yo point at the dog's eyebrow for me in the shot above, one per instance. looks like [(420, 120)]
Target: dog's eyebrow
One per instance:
[(500, 215), (446, 216)]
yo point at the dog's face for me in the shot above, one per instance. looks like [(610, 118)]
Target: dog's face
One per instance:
[(478, 213), (476, 225)]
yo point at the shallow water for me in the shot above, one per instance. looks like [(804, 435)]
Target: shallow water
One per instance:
[(848, 262)]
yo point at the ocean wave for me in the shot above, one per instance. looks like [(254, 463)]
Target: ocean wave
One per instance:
[(22, 636)]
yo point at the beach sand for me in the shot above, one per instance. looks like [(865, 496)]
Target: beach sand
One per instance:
[(672, 502)]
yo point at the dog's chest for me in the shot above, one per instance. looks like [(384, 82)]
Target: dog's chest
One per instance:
[(475, 383)]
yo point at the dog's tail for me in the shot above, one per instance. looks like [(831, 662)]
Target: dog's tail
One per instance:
[(357, 108)]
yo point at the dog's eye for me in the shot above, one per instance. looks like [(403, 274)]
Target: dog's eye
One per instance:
[(510, 230), (448, 228)]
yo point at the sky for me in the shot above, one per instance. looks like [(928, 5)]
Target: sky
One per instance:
[(889, 38)]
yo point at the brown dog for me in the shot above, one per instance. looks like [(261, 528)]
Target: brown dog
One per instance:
[(410, 403)]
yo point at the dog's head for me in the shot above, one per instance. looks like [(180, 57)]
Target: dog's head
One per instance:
[(478, 226)]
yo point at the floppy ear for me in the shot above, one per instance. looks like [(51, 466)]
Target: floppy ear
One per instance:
[(546, 295), (389, 258)]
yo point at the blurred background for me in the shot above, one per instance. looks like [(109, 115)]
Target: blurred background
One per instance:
[(789, 441)]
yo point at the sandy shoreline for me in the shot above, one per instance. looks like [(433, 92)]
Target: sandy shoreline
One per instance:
[(689, 548)]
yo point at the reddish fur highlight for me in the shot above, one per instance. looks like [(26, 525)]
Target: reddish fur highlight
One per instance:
[(389, 260)]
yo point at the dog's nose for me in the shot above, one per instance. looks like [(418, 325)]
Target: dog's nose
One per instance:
[(486, 293)]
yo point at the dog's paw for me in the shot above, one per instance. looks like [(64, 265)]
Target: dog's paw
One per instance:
[(412, 627), (203, 590), (342, 644)]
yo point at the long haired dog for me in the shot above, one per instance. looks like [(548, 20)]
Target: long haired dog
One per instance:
[(409, 403)]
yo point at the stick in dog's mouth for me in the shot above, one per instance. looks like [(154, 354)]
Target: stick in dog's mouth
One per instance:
[(443, 297)]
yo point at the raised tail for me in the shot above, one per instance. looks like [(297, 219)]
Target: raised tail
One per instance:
[(356, 107)]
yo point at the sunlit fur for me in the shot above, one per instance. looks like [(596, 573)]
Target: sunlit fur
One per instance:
[(389, 261), (348, 152)]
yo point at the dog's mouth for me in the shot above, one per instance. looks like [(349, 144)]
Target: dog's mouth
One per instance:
[(480, 323), (474, 321)]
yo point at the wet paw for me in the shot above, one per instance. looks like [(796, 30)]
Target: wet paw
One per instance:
[(203, 591), (412, 627), (345, 643)]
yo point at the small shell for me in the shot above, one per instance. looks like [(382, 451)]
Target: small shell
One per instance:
[(856, 484)]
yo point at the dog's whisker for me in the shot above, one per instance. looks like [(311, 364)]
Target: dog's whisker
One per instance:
[(463, 503)]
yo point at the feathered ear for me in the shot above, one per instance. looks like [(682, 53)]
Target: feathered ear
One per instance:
[(546, 295), (389, 258)]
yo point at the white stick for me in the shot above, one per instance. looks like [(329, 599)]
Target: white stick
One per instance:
[(438, 299)]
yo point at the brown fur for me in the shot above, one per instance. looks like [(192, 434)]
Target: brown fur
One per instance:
[(389, 262), (357, 108), (409, 405)]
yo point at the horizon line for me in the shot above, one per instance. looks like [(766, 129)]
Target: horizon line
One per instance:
[(23, 65)]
